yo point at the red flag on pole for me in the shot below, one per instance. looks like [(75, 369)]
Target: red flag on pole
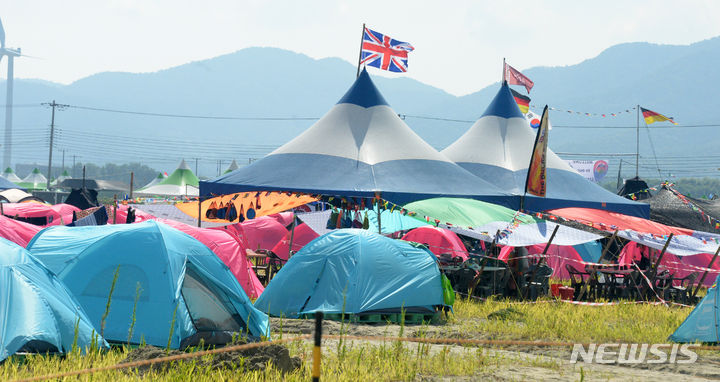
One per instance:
[(514, 77), (536, 183)]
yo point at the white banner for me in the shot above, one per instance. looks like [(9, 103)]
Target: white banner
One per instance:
[(592, 170)]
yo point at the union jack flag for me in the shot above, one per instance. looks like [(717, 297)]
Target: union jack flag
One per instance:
[(383, 52)]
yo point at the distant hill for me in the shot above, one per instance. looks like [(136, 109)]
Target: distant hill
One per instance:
[(275, 83)]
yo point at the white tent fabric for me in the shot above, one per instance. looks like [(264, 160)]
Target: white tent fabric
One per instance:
[(528, 234), (680, 245), (15, 195)]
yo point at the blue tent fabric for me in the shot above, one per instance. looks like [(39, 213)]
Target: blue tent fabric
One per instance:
[(507, 141), (358, 148), (590, 251), (6, 184), (171, 270), (703, 323), (36, 308), (354, 271)]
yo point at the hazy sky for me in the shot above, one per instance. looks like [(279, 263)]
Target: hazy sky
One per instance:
[(459, 45)]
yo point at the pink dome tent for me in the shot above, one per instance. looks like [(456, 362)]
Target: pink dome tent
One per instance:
[(303, 235), (259, 233), (55, 215), (229, 250), (16, 231), (438, 240)]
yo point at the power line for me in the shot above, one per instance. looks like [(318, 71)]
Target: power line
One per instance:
[(191, 116)]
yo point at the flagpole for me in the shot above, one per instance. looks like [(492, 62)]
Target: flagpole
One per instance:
[(502, 79), (637, 144), (362, 37)]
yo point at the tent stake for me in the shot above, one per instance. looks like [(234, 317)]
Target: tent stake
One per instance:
[(706, 272)]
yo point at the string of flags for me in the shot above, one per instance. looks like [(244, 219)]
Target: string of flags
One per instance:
[(587, 114), (705, 216)]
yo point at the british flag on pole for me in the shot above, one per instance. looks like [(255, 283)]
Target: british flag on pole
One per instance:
[(383, 52)]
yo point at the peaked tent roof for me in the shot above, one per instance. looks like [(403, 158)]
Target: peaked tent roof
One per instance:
[(34, 181), (63, 176), (39, 312), (358, 148), (233, 166), (10, 175), (155, 181), (181, 182), (497, 148)]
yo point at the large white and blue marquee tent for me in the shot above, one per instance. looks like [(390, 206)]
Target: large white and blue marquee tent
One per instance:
[(358, 148), (497, 149)]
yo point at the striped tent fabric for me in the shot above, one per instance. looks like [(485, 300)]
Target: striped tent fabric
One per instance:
[(358, 148), (497, 148)]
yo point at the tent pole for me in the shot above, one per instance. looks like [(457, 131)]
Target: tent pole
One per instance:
[(292, 236), (607, 246), (502, 78), (115, 209), (377, 197), (476, 280), (637, 144), (706, 272), (542, 258), (657, 263), (199, 211), (362, 38), (132, 179)]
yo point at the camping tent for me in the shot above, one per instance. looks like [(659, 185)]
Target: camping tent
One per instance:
[(17, 231), (181, 182), (61, 178), (169, 275), (159, 178), (230, 250), (259, 233), (438, 240), (34, 181), (39, 314), (16, 195), (355, 271), (39, 213), (10, 175), (497, 148), (233, 166), (301, 237), (702, 323), (358, 148)]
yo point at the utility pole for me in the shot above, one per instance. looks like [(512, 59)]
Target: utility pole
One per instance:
[(52, 135), (73, 167), (63, 150), (196, 166)]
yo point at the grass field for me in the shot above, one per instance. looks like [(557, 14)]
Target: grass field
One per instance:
[(377, 360)]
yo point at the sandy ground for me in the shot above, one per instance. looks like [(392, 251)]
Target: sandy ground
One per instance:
[(707, 366)]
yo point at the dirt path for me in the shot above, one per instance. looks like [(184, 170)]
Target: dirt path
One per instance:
[(557, 360)]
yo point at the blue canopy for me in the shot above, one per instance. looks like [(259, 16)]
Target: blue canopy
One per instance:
[(37, 312), (703, 323), (6, 184), (172, 276), (354, 271), (507, 141), (358, 148)]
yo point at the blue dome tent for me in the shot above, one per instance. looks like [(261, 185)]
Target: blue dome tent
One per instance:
[(37, 312), (358, 148), (703, 323), (497, 149), (355, 271), (178, 278)]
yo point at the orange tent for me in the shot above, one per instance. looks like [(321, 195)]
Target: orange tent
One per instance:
[(246, 205)]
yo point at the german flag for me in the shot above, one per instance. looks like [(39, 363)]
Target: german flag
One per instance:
[(523, 102), (652, 117)]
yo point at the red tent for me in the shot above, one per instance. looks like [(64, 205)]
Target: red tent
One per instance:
[(53, 215), (259, 233), (230, 250), (18, 232), (303, 235), (438, 240), (679, 266)]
